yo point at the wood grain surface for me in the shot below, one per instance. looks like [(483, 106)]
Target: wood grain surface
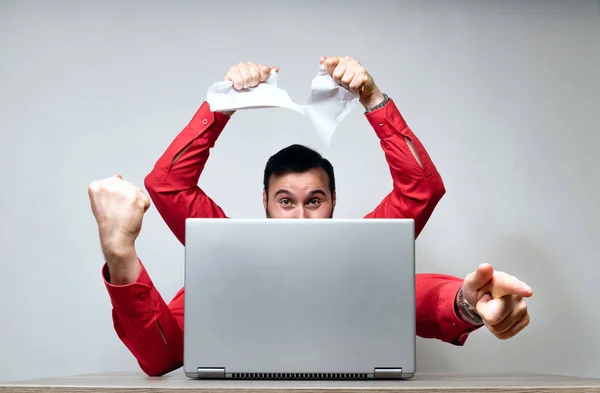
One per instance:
[(422, 382)]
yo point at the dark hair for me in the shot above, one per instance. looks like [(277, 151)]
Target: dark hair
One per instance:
[(297, 159)]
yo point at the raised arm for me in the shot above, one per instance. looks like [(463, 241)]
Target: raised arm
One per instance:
[(173, 182), (149, 328), (417, 185)]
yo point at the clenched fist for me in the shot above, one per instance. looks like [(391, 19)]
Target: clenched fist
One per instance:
[(247, 75), (118, 207), (352, 75)]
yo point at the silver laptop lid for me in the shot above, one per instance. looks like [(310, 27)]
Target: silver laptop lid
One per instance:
[(289, 298)]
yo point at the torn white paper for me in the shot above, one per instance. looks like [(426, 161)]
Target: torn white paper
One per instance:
[(326, 107)]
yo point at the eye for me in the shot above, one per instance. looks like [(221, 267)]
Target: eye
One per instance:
[(285, 201), (314, 201)]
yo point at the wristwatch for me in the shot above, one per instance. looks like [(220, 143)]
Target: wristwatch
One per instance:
[(467, 311), (386, 99)]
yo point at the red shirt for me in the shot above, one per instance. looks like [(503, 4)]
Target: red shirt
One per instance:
[(153, 329)]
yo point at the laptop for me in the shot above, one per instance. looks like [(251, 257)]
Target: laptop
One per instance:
[(299, 299)]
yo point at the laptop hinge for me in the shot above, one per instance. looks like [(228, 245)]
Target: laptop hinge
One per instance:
[(211, 372), (388, 373)]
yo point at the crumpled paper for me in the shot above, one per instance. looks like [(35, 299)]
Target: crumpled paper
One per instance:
[(326, 106)]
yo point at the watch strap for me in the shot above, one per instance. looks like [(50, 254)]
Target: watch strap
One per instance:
[(386, 99), (467, 311)]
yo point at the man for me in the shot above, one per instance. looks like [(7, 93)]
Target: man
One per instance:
[(298, 183)]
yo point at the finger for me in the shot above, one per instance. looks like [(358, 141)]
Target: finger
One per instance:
[(265, 72), (480, 278), (504, 284), (517, 311), (93, 188), (147, 203), (515, 329), (245, 73), (140, 197), (254, 72), (117, 176), (359, 80), (339, 71), (482, 305), (235, 77), (495, 311), (330, 63), (347, 78)]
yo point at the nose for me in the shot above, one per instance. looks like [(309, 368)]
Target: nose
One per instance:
[(301, 213)]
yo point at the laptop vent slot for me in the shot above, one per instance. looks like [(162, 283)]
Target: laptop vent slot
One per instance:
[(335, 376)]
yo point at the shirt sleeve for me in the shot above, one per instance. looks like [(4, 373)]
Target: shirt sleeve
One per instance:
[(173, 182), (437, 316), (416, 190), (149, 328)]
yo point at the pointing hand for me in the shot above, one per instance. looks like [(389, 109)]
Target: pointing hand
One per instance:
[(499, 300)]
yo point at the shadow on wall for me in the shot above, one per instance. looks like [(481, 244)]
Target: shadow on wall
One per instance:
[(559, 334), (558, 338)]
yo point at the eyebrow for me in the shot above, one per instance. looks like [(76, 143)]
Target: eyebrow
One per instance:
[(313, 192), (282, 191), (320, 192)]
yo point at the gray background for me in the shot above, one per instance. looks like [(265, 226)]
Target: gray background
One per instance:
[(505, 95)]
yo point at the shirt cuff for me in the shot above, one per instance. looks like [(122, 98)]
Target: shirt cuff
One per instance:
[(136, 298), (204, 120), (457, 328), (387, 120)]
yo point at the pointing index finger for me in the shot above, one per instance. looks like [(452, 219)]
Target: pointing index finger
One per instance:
[(504, 284)]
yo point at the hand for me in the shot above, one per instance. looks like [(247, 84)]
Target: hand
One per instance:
[(247, 75), (498, 299), (350, 74), (118, 207)]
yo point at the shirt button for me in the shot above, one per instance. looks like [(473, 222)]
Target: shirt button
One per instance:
[(381, 124), (393, 118), (142, 297), (204, 121)]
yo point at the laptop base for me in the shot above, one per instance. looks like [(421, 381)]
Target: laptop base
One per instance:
[(221, 373)]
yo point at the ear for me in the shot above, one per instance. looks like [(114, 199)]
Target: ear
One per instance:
[(265, 199), (333, 198)]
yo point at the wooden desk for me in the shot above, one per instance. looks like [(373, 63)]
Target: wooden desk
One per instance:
[(422, 382)]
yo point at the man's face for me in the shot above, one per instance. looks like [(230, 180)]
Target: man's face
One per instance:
[(299, 195)]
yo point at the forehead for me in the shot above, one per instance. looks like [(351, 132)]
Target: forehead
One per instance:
[(300, 182)]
